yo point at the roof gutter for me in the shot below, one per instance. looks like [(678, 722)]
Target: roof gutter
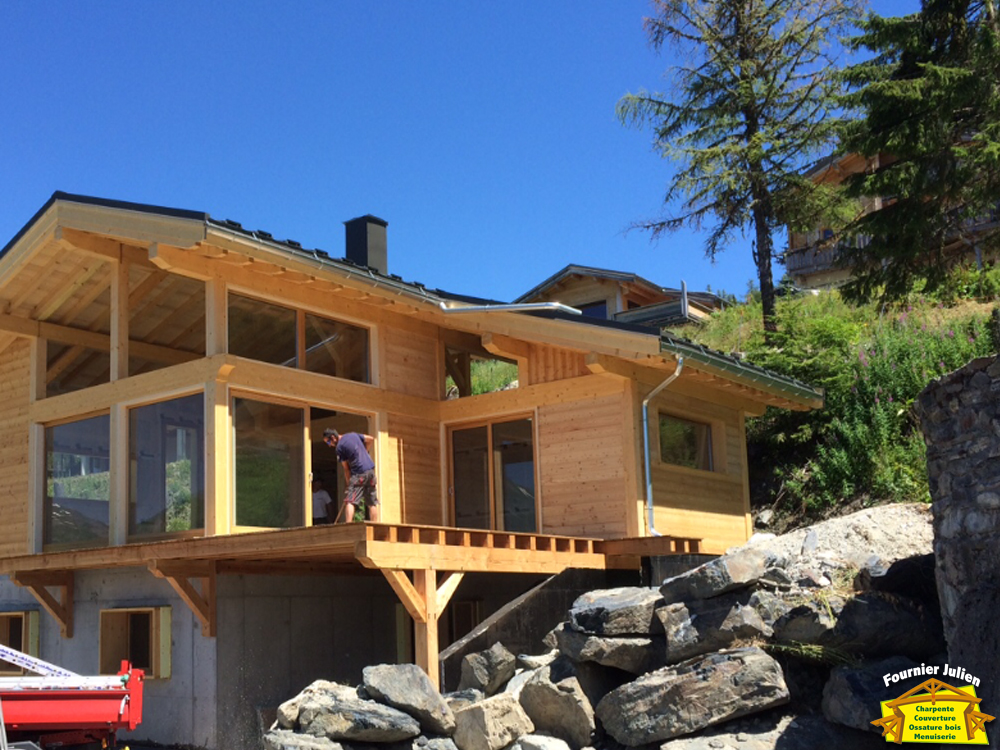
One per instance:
[(722, 363), (645, 442), (512, 307)]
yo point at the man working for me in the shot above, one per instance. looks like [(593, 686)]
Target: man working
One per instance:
[(353, 452)]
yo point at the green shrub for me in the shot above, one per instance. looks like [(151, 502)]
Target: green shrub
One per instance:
[(872, 363)]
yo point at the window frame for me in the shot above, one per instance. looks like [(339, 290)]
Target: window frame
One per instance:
[(300, 312), (29, 637), (159, 641), (495, 506), (132, 537), (715, 428)]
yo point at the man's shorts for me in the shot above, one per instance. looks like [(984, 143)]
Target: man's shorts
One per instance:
[(362, 486)]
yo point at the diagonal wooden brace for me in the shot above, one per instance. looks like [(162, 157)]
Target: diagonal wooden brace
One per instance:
[(39, 583), (180, 577), (425, 600)]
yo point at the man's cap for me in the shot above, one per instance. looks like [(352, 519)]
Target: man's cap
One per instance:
[(329, 432)]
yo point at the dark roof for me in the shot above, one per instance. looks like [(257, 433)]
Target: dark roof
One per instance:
[(605, 273), (668, 342)]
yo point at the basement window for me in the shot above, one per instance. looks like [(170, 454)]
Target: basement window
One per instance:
[(685, 443), (18, 630), (140, 636)]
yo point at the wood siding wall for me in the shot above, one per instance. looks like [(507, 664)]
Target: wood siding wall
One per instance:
[(411, 471), (411, 363), (582, 459), (14, 463), (710, 505), (546, 363)]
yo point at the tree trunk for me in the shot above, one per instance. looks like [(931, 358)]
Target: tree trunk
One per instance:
[(762, 256)]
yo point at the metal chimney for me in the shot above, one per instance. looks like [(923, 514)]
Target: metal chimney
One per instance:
[(366, 242)]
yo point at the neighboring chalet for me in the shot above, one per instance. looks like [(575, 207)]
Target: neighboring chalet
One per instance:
[(623, 297), (165, 380), (811, 258)]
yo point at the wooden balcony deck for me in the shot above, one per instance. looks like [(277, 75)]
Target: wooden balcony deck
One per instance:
[(422, 564)]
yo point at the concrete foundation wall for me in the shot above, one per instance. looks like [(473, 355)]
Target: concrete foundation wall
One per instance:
[(277, 634), (179, 710)]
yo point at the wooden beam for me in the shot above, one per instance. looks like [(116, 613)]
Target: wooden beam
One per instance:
[(119, 321), (201, 603), (411, 556), (78, 337), (447, 588), (39, 583), (425, 632), (103, 248), (408, 595), (505, 346)]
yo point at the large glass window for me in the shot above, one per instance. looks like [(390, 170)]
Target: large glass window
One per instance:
[(493, 476), (262, 331), (270, 479), (164, 309), (167, 466), (77, 482), (335, 348), (73, 368), (685, 443), (514, 474)]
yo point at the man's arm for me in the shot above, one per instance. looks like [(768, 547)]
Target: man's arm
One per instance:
[(369, 443), (347, 472)]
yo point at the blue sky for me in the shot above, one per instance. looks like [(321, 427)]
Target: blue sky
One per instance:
[(484, 133)]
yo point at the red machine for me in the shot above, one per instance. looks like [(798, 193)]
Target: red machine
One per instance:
[(61, 709)]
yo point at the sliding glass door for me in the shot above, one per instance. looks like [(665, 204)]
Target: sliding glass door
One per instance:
[(493, 476)]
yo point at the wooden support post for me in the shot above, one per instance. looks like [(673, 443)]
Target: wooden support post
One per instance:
[(119, 322), (39, 583), (425, 600), (218, 455), (180, 577)]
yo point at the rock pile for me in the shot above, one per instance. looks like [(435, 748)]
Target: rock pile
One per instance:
[(631, 667)]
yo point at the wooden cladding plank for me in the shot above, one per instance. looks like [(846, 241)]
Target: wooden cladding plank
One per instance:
[(410, 363), (718, 531), (409, 467), (583, 471), (15, 374)]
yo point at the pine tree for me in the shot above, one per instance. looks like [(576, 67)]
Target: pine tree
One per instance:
[(930, 122), (754, 102)]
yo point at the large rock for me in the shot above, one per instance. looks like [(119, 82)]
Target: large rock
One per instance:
[(558, 707), (488, 670), (407, 687), (852, 694), (810, 619), (728, 573), (622, 611), (635, 654), (877, 624), (774, 731), (356, 720), (539, 742), (462, 698), (286, 739), (700, 626), (491, 724), (319, 692), (694, 694)]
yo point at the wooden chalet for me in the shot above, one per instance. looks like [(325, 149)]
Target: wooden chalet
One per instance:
[(624, 297), (165, 379)]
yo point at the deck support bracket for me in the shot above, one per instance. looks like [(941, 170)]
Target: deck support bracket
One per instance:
[(425, 599), (181, 577), (39, 583)]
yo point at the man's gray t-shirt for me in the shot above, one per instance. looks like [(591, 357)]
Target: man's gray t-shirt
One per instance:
[(351, 448)]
